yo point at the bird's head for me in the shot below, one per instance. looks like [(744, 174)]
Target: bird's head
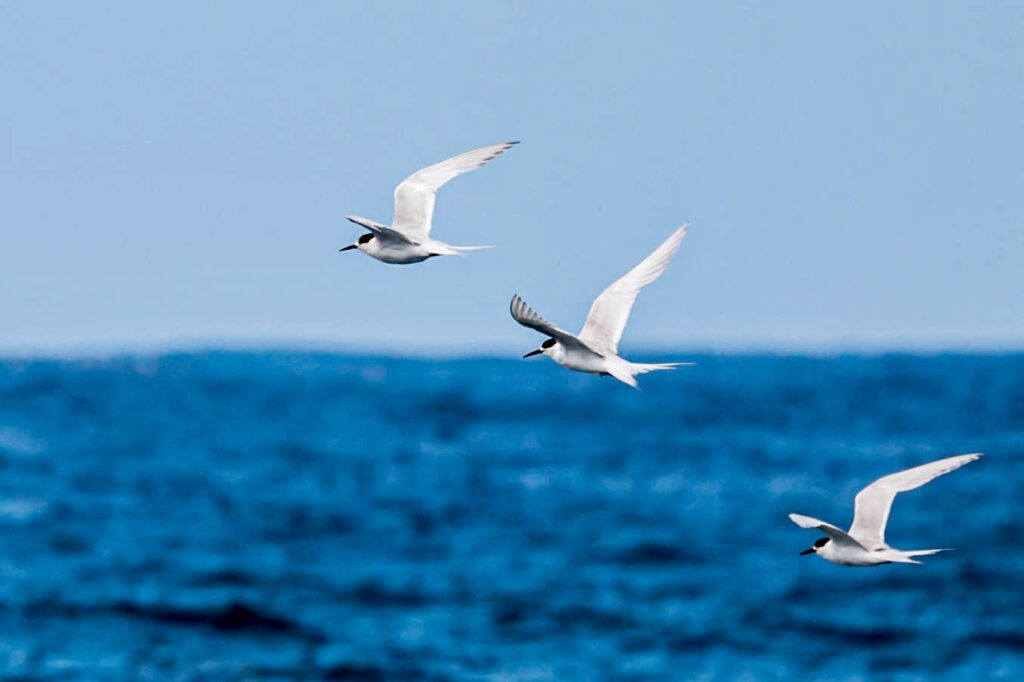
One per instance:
[(360, 243), (818, 544), (545, 348)]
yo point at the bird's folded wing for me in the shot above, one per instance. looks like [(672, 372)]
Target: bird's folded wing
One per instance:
[(839, 536), (610, 311), (414, 196), (525, 315), (873, 504)]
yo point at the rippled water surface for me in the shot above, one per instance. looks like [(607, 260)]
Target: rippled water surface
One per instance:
[(232, 516)]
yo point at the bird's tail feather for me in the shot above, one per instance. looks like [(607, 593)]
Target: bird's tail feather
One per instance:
[(645, 367), (626, 372), (443, 249), (907, 557), (470, 248)]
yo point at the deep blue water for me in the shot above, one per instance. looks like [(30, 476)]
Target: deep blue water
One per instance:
[(230, 516)]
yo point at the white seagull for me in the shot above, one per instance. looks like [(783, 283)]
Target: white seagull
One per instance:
[(864, 544), (408, 240), (596, 349)]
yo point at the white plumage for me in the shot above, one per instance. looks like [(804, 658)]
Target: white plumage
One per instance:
[(407, 239), (596, 348), (864, 544)]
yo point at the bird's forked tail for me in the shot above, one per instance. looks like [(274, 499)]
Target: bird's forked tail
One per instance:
[(645, 367), (626, 372), (442, 249), (471, 248), (907, 557)]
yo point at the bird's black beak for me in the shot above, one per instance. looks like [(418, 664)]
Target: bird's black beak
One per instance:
[(349, 248), (808, 551), (533, 352)]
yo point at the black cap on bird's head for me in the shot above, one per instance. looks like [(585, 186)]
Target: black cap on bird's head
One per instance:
[(818, 544), (364, 239), (548, 343)]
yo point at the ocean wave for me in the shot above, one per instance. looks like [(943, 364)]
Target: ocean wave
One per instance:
[(239, 516)]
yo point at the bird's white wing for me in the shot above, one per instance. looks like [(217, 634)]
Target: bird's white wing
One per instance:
[(839, 536), (872, 504), (525, 315), (383, 232), (414, 196), (610, 311)]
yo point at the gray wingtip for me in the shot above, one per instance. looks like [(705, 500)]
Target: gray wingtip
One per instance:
[(520, 309), (505, 146)]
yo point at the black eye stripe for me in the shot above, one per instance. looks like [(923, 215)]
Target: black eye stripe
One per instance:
[(548, 343), (365, 238), (820, 542)]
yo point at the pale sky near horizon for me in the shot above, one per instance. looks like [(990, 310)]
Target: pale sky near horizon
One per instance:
[(177, 175)]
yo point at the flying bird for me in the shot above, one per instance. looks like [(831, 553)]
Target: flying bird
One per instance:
[(596, 349), (864, 544), (408, 239)]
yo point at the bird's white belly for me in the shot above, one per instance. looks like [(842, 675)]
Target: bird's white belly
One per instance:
[(852, 556), (583, 362), (402, 255)]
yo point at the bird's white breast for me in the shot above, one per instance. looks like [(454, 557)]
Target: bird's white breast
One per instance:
[(398, 254), (581, 362), (850, 556)]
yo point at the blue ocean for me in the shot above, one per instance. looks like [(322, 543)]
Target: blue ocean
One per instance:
[(315, 516)]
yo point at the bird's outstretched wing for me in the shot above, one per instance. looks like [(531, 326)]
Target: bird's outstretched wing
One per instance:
[(839, 536), (872, 504), (383, 232), (525, 315), (414, 196), (610, 311)]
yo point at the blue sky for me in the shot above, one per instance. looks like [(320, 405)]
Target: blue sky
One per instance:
[(177, 175)]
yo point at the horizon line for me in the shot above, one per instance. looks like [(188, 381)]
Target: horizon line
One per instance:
[(822, 347)]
